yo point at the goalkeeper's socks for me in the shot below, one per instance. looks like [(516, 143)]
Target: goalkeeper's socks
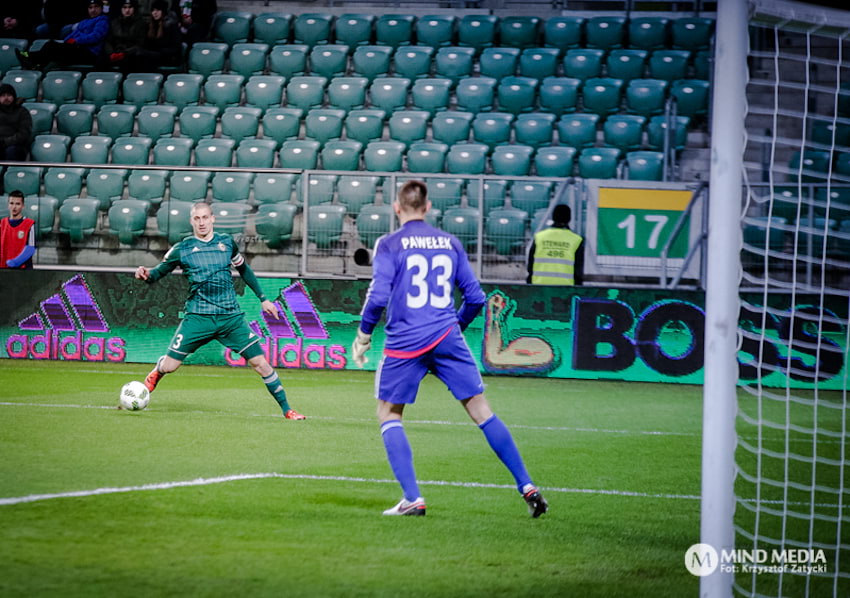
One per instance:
[(400, 457), (502, 443), (275, 388)]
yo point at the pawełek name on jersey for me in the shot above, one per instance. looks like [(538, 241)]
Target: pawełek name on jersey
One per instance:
[(426, 242)]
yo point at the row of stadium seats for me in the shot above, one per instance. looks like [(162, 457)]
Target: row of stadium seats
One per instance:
[(473, 30), (816, 166), (816, 237)]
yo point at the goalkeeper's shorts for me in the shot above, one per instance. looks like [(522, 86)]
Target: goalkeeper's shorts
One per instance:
[(397, 379)]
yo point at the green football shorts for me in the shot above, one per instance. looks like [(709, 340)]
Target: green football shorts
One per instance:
[(231, 330)]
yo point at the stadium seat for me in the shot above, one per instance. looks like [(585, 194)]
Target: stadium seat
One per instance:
[(578, 130), (321, 188), (691, 33), (156, 121), (128, 219), (329, 61), (355, 191), (26, 83), (602, 95), (599, 162), (364, 125), (564, 32), (232, 26), (371, 61), (431, 95), (300, 154), (106, 186), (556, 161), (475, 94), (624, 131), (91, 149), (645, 166), (274, 222), (373, 221), (842, 163), (809, 166), (133, 151), (691, 97), (539, 63), (198, 122), (498, 62), (477, 31), (559, 95), (273, 187), (606, 32), (8, 58), (116, 120), (324, 224), (61, 87), (427, 157), (626, 64), (451, 127), (352, 29), (648, 33), (182, 89), (78, 218), (239, 122), (494, 194), (341, 154), (43, 211), (512, 160), (467, 158), (463, 224), (207, 58), (519, 32), (189, 186), (312, 29), (323, 124), (389, 93), (172, 151), (248, 59), (445, 193), (517, 94), (453, 63), (142, 88), (49, 148), (583, 63), (223, 91), (101, 88), (383, 156), (530, 196), (282, 124), (63, 182), (534, 129), (413, 62), (436, 31), (74, 120), (408, 126), (703, 65), (214, 152), (347, 93), (173, 220), (256, 153), (42, 114), (646, 96), (272, 28), (504, 229), (669, 65), (288, 60), (656, 131), (492, 128), (147, 185), (306, 92), (230, 187), (264, 91), (394, 30), (26, 179)]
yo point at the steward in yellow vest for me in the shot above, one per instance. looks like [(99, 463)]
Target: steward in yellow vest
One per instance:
[(556, 256)]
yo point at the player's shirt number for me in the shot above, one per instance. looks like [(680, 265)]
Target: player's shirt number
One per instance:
[(421, 293), (178, 340)]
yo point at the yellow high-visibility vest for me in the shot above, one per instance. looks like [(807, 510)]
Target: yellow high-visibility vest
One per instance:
[(555, 256)]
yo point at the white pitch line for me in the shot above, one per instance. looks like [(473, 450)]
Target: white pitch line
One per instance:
[(16, 500)]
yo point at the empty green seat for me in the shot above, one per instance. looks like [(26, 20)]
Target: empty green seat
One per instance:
[(445, 193), (207, 58), (172, 151), (373, 221), (512, 160), (274, 222), (91, 149), (240, 122), (306, 92), (408, 126), (131, 150), (451, 127), (583, 63), (645, 166), (26, 179), (384, 156), (431, 95), (156, 121), (453, 63), (50, 148), (476, 94), (142, 88), (248, 59), (341, 154), (492, 128), (555, 161), (519, 31), (354, 29), (427, 157), (323, 124), (128, 219), (648, 33), (809, 166), (42, 115), (355, 191), (272, 28), (413, 62), (467, 158), (646, 96), (504, 229), (288, 60), (198, 122), (214, 152), (477, 31), (530, 196), (63, 182), (578, 130), (534, 128), (669, 65), (564, 32), (190, 186), (43, 211), (691, 97), (273, 187), (539, 63), (26, 83), (230, 187), (692, 33), (498, 62), (517, 94), (264, 91), (232, 26), (394, 30), (389, 93), (106, 186), (256, 153), (116, 120), (602, 95), (347, 93), (677, 132), (8, 58), (626, 64), (605, 32), (282, 124), (301, 154), (364, 125), (75, 119), (329, 61), (624, 131), (78, 218), (559, 95), (599, 162), (101, 88), (147, 185), (371, 61), (173, 220), (436, 30), (312, 29), (703, 64), (324, 224), (320, 187), (181, 89), (463, 224), (61, 87), (494, 194)]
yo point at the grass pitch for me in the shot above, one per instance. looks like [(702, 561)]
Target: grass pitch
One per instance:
[(210, 492)]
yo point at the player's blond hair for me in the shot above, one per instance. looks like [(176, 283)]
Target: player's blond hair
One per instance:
[(413, 196), (198, 204)]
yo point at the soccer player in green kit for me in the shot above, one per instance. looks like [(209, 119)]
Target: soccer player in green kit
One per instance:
[(212, 312)]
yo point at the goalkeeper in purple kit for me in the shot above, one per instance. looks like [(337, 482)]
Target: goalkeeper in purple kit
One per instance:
[(415, 272)]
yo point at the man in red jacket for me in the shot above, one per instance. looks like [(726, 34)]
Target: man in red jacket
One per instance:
[(17, 235)]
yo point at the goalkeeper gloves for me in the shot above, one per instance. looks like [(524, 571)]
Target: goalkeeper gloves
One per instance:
[(361, 344)]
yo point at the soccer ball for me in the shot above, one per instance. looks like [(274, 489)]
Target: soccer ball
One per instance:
[(134, 396)]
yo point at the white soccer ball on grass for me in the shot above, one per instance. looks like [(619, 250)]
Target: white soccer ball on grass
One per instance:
[(134, 396)]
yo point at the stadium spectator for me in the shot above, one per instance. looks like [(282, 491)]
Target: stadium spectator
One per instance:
[(15, 125), (162, 45), (556, 255), (59, 17), (83, 45), (415, 271), (19, 19), (126, 36), (212, 310), (195, 18), (17, 235)]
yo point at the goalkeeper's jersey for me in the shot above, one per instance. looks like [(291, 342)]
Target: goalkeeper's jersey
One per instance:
[(415, 272), (206, 264)]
